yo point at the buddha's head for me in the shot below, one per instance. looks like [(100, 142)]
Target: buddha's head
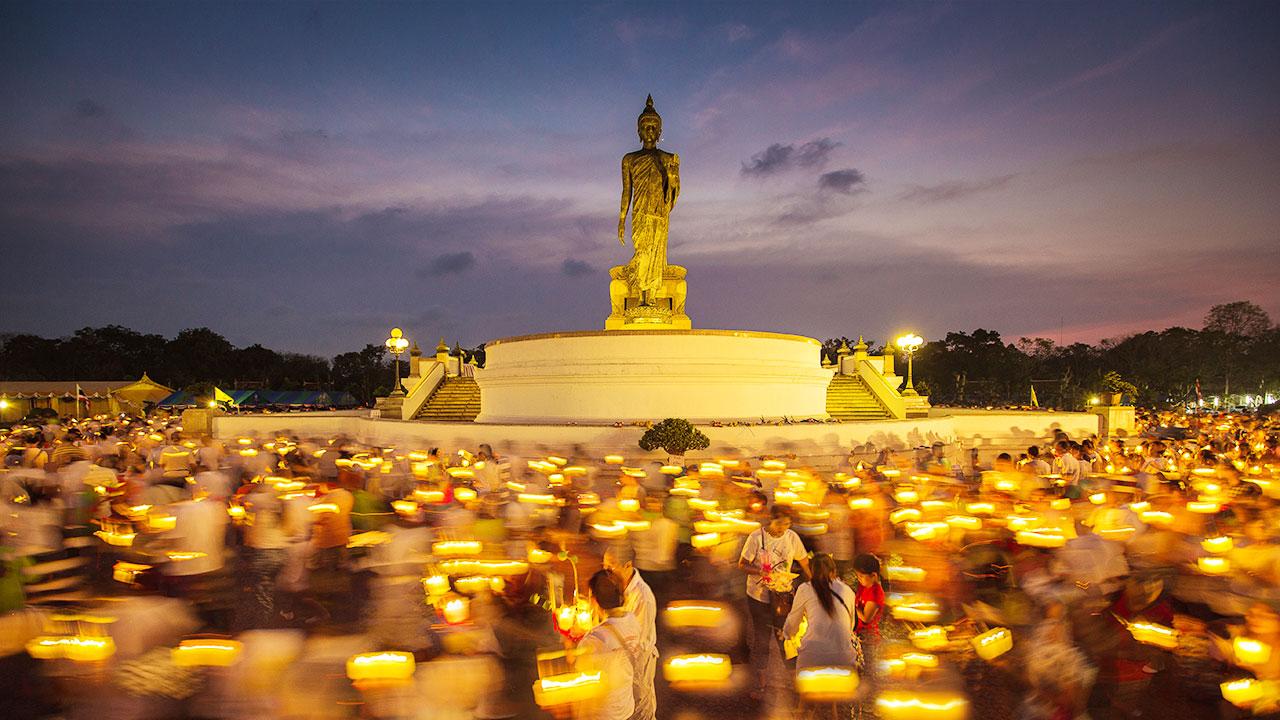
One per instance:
[(649, 125)]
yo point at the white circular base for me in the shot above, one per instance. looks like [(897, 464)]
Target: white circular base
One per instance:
[(600, 377)]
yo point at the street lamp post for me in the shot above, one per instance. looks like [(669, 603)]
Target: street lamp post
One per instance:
[(396, 344), (909, 343)]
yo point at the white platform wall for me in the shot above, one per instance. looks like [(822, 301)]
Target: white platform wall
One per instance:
[(990, 432), (605, 376)]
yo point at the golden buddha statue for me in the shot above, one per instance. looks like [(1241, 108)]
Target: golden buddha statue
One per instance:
[(650, 186)]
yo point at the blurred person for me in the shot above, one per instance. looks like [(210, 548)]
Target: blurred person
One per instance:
[(838, 540), (827, 603), (199, 535), (654, 548), (66, 451), (612, 649), (1066, 464), (174, 460), (1035, 464), (265, 543), (640, 603), (775, 547), (210, 453)]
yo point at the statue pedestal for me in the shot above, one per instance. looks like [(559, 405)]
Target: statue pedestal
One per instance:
[(666, 313), (602, 377)]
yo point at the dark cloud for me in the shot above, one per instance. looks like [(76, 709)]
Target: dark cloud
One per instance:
[(87, 108), (952, 190), (815, 153), (452, 263), (847, 181), (576, 268), (778, 157)]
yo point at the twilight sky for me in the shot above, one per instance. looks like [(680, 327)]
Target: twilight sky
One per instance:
[(308, 175)]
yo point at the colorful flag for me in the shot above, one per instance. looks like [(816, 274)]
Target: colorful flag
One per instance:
[(220, 396), (1035, 403)]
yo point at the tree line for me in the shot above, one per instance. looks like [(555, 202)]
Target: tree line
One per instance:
[(195, 359), (1235, 353)]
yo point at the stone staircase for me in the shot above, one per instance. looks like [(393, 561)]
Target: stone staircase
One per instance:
[(849, 398), (457, 399)]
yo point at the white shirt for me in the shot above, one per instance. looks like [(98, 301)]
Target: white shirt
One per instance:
[(1069, 468), (829, 638), (604, 654), (641, 604), (655, 547), (779, 552), (201, 528)]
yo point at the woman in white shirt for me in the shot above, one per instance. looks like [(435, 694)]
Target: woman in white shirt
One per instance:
[(828, 604)]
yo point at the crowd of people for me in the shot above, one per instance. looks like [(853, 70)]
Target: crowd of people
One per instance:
[(152, 574)]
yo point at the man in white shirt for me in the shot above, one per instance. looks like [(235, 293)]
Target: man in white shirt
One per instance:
[(639, 601), (771, 548), (1066, 465), (1034, 464)]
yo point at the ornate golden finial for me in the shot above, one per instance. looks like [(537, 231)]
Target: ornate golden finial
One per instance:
[(861, 346), (442, 347), (648, 110), (844, 348), (415, 351)]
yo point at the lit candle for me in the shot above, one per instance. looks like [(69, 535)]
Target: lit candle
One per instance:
[(702, 668), (830, 683), (693, 613), (964, 522), (456, 611), (993, 643), (1242, 692), (1251, 652), (1217, 545), (1154, 634), (904, 573), (567, 688), (705, 540), (389, 665), (206, 653), (933, 637), (1213, 565), (908, 705)]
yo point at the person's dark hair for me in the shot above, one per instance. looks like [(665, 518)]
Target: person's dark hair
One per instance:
[(606, 590), (1004, 456), (868, 564), (823, 568), (1034, 451), (780, 511)]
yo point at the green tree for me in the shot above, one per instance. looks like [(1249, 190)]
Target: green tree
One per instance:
[(675, 435), (1240, 319)]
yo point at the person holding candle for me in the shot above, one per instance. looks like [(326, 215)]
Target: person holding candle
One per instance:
[(828, 605), (612, 649), (639, 601), (772, 548)]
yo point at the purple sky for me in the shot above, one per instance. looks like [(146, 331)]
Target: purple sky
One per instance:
[(306, 176)]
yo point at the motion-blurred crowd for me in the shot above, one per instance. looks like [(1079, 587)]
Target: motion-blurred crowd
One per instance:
[(150, 574)]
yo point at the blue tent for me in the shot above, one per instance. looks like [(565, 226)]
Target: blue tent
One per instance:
[(179, 399)]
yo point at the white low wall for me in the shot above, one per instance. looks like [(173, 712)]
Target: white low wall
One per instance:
[(604, 376), (820, 444)]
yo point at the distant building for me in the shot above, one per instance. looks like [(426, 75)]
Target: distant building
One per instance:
[(18, 398)]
